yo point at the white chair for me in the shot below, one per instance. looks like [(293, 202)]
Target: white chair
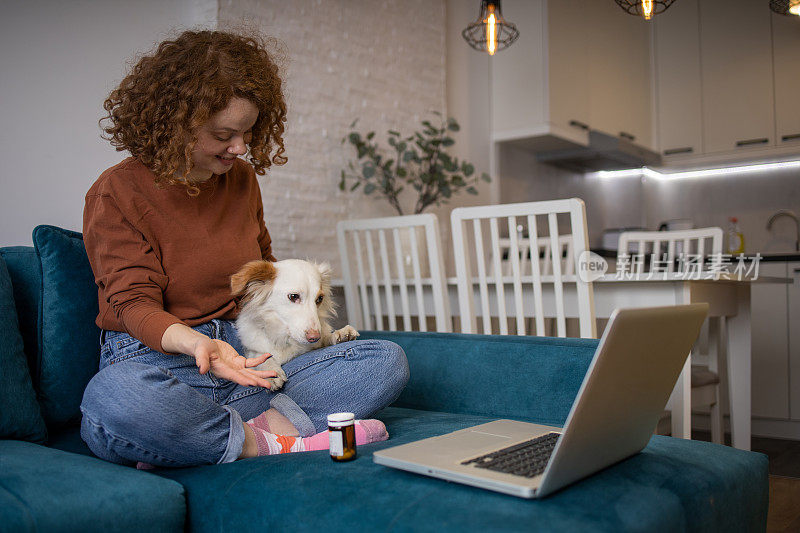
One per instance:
[(395, 258), (540, 224), (669, 251), (685, 252), (545, 255)]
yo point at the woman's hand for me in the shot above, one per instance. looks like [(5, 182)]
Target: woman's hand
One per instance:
[(224, 362), (215, 355)]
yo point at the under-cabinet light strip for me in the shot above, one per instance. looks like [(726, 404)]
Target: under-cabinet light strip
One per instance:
[(649, 173)]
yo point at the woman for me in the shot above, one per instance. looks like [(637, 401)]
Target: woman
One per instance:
[(164, 231)]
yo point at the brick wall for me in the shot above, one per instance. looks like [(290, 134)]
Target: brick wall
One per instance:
[(381, 61)]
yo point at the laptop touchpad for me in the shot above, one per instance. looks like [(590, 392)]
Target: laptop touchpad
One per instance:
[(469, 441)]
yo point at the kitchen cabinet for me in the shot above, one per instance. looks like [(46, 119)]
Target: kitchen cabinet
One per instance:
[(576, 66), (770, 341), (793, 270), (619, 81), (786, 66), (775, 317), (735, 53), (677, 80), (526, 102), (725, 78)]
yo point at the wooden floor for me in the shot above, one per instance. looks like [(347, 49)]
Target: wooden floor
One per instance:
[(784, 480), (784, 505)]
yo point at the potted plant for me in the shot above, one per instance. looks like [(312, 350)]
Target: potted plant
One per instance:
[(419, 160)]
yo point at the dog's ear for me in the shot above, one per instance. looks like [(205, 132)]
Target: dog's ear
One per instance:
[(325, 272), (328, 308), (250, 277)]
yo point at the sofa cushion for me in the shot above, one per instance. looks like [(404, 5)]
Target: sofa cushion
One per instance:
[(525, 378), (20, 416), (69, 350), (42, 489), (673, 485), (26, 278)]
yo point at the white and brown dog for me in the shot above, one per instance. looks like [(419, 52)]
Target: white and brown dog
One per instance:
[(286, 306)]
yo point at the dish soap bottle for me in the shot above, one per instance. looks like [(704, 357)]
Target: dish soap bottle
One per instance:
[(735, 237)]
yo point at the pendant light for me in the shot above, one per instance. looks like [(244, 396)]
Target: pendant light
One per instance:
[(646, 9), (490, 33), (785, 7)]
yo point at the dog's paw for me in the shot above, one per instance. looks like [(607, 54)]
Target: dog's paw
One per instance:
[(278, 381), (280, 378), (347, 333)]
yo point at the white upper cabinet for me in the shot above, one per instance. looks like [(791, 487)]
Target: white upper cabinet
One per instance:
[(707, 81), (735, 53), (619, 71), (518, 90), (577, 66), (568, 67), (786, 65), (677, 80)]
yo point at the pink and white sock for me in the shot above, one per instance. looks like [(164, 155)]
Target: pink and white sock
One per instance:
[(367, 431)]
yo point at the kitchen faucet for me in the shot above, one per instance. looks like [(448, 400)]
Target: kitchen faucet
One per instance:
[(790, 214)]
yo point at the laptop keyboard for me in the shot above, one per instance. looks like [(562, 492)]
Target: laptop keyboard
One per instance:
[(527, 459)]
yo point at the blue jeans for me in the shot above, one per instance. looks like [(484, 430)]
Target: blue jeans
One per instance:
[(155, 408)]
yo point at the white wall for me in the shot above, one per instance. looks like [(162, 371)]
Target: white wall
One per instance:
[(59, 60)]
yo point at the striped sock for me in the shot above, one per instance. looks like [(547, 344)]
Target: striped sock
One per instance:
[(367, 431)]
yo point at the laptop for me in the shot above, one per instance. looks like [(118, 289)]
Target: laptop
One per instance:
[(620, 401)]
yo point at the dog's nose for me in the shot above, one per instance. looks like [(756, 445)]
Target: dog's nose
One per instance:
[(312, 335)]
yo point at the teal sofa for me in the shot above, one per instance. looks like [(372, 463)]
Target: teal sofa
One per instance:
[(49, 480)]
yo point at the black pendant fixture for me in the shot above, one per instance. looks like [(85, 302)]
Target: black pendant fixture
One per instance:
[(785, 7), (490, 33), (646, 9)]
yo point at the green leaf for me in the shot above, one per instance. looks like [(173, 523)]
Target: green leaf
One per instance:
[(401, 172), (369, 188), (353, 125), (402, 146), (408, 156), (447, 141), (395, 133), (472, 190), (355, 138), (361, 152), (368, 170), (467, 169), (485, 177), (446, 191), (392, 142), (452, 125), (388, 164), (370, 135), (354, 187)]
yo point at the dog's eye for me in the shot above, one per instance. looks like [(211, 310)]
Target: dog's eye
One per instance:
[(294, 297), (319, 299)]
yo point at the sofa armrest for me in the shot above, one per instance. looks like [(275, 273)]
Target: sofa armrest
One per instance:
[(519, 377)]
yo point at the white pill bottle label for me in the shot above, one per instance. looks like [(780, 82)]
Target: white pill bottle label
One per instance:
[(336, 439)]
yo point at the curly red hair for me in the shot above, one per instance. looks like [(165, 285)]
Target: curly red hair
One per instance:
[(158, 107)]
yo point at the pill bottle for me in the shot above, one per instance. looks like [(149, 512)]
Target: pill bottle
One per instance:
[(342, 435)]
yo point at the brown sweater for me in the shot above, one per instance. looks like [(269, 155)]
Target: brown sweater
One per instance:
[(162, 257)]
